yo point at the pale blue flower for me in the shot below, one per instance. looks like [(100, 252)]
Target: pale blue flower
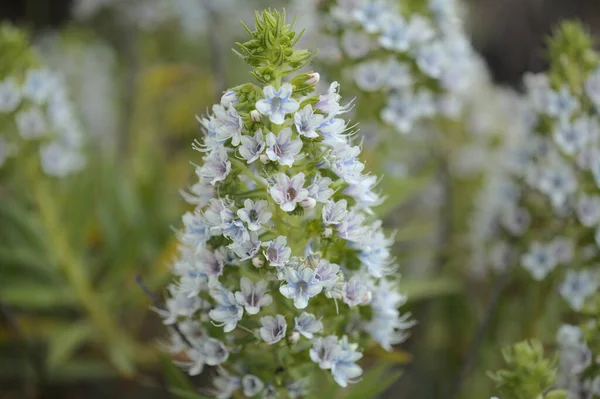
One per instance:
[(399, 112), (253, 296), (343, 161), (225, 384), (212, 214), (588, 209), (211, 264), (179, 304), (10, 95), (325, 351), (58, 160), (233, 226), (229, 98), (282, 148), (329, 103), (255, 214), (39, 85), (333, 213), (355, 44), (307, 122), (370, 15), (31, 123), (216, 167), (539, 260), (227, 312), (592, 87), (562, 104), (351, 228), (246, 249), (333, 131), (398, 75), (319, 189), (577, 287), (298, 389), (375, 251), (301, 286), (344, 369), (396, 34), (210, 351), (273, 328), (228, 123), (571, 136), (277, 252), (431, 59), (370, 76), (326, 274), (420, 30), (286, 192), (363, 193), (196, 232), (252, 385), (307, 325), (277, 103), (557, 181), (355, 292), (252, 147)]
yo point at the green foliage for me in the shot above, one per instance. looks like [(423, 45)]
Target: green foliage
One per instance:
[(271, 50), (529, 375), (15, 52)]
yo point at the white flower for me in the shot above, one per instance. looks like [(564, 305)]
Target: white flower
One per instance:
[(277, 103), (228, 124), (253, 296), (370, 15), (282, 148), (288, 192), (588, 209)]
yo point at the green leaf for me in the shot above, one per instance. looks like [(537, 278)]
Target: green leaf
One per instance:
[(78, 370), (374, 382), (184, 394), (175, 378), (65, 342), (417, 290), (30, 295)]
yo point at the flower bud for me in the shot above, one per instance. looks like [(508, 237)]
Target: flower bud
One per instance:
[(264, 158), (327, 232), (294, 337), (313, 78), (255, 116), (308, 203), (258, 262)]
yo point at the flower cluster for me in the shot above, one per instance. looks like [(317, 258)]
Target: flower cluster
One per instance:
[(283, 270), (419, 61), (35, 108), (548, 217)]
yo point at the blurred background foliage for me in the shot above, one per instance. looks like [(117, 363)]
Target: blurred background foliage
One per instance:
[(74, 320)]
